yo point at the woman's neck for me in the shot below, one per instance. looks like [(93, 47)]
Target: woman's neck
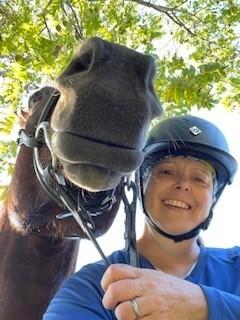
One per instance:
[(175, 258)]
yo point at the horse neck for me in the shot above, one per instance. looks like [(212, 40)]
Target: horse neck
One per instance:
[(24, 189), (32, 269), (32, 266), (26, 197)]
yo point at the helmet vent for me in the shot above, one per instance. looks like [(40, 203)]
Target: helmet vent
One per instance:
[(195, 130)]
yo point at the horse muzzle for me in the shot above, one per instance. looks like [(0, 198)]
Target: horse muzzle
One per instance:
[(93, 164)]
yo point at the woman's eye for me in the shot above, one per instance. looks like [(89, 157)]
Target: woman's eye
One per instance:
[(200, 179), (166, 172)]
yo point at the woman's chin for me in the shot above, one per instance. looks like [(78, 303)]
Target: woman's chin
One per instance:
[(175, 230)]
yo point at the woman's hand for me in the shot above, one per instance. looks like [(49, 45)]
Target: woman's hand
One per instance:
[(156, 295)]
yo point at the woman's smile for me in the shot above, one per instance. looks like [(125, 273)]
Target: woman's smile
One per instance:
[(176, 204)]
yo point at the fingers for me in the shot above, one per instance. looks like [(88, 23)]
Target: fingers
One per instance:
[(122, 290), (118, 272), (121, 283), (126, 310), (125, 290)]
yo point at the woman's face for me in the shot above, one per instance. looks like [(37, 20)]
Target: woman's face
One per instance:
[(179, 194)]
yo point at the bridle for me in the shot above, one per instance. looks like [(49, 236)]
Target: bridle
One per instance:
[(81, 208)]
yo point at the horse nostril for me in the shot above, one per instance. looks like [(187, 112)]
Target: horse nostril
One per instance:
[(79, 67)]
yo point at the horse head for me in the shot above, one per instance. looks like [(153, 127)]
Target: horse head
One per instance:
[(100, 121), (96, 131)]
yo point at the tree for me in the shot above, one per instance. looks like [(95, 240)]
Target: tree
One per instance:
[(195, 44)]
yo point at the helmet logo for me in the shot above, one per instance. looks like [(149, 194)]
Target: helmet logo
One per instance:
[(195, 130)]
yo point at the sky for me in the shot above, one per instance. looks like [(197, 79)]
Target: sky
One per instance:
[(224, 229)]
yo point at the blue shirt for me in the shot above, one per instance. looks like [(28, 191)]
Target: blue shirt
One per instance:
[(217, 272)]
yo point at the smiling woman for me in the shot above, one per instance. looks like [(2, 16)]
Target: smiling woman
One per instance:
[(193, 138), (193, 195)]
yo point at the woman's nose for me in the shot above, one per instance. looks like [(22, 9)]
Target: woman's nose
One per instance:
[(182, 183)]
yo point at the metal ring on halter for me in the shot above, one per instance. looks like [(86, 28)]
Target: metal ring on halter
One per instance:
[(136, 308), (45, 128)]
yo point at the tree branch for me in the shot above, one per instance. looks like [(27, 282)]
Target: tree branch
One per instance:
[(47, 5), (170, 12), (175, 19), (48, 30), (155, 7), (45, 21), (77, 27)]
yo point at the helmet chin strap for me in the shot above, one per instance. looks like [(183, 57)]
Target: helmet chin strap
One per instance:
[(184, 236)]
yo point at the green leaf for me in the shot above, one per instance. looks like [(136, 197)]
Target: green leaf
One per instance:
[(3, 193)]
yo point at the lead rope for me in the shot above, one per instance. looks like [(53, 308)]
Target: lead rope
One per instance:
[(130, 220)]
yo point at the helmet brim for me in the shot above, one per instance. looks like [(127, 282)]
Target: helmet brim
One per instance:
[(224, 164)]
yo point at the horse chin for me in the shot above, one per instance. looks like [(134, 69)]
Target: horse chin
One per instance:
[(90, 177)]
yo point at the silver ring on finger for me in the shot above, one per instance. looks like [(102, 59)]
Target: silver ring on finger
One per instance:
[(136, 308)]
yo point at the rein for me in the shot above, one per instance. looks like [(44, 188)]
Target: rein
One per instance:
[(55, 184)]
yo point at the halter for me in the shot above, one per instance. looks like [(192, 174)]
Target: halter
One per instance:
[(82, 208)]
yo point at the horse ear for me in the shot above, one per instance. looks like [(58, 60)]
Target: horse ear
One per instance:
[(22, 117), (35, 106)]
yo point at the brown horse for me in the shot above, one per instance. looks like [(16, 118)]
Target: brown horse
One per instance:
[(90, 139)]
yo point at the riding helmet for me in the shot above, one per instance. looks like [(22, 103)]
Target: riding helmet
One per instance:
[(194, 137)]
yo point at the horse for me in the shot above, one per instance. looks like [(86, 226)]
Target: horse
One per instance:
[(78, 140)]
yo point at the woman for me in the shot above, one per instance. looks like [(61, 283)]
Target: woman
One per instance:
[(186, 167)]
